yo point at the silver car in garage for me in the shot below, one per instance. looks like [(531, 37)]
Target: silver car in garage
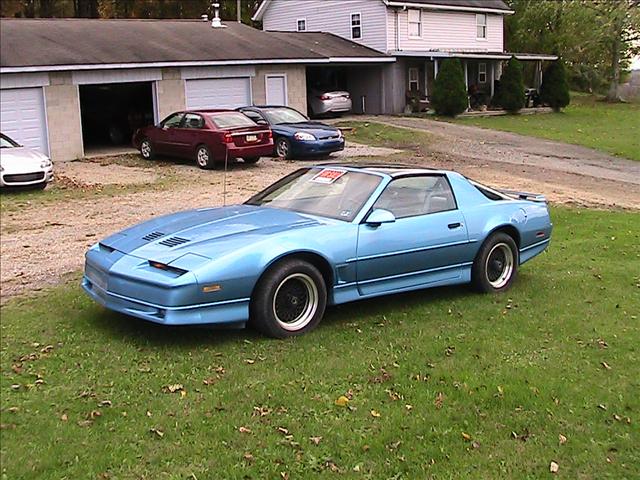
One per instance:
[(327, 103)]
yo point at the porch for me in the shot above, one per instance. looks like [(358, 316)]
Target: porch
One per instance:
[(482, 72)]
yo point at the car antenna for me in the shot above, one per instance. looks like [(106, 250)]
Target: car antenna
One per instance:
[(224, 178)]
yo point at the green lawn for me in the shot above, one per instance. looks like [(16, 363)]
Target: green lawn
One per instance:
[(612, 128), (444, 383)]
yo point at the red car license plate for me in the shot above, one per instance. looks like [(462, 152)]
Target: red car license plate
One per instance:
[(252, 138)]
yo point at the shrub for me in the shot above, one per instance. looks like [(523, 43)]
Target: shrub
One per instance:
[(512, 87), (449, 90), (554, 90)]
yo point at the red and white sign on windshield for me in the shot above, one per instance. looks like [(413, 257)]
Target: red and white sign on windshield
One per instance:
[(328, 176)]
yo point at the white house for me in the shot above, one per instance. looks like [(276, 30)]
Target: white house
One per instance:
[(418, 33)]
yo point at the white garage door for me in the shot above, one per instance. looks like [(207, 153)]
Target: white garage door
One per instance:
[(218, 93), (22, 117), (276, 86)]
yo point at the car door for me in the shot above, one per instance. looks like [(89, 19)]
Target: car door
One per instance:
[(425, 244), (165, 136), (188, 135)]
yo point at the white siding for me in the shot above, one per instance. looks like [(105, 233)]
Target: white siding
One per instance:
[(94, 77), (446, 31), (333, 16)]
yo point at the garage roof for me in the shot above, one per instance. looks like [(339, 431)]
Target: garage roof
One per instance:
[(70, 44)]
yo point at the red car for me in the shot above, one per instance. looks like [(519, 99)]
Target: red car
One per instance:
[(208, 136)]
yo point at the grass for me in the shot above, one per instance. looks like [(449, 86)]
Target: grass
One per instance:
[(611, 128), (381, 135), (444, 383)]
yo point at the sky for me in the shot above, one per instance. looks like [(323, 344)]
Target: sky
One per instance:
[(636, 63)]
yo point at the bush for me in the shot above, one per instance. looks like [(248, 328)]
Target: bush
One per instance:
[(554, 90), (511, 96), (449, 90)]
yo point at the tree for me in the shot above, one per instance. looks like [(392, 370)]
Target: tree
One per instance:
[(449, 91), (619, 30), (512, 87), (555, 88)]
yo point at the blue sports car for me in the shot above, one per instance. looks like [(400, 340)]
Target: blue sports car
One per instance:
[(294, 135), (320, 236)]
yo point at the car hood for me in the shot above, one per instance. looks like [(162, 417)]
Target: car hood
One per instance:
[(318, 129), (20, 160), (205, 233)]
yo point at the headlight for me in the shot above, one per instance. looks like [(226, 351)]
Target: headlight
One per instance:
[(304, 136), (45, 163), (340, 134)]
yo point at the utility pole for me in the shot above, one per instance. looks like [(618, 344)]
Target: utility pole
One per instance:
[(239, 10)]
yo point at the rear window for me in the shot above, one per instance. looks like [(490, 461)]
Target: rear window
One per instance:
[(231, 120)]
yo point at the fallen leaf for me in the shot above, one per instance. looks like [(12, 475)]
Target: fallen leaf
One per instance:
[(602, 407), (466, 436), (248, 457), (562, 439), (173, 388), (315, 440), (554, 467), (342, 401), (375, 414), (475, 445), (64, 417), (283, 430), (408, 407), (105, 403), (85, 423), (157, 431), (249, 361), (13, 409), (244, 430), (95, 414), (605, 365), (439, 400)]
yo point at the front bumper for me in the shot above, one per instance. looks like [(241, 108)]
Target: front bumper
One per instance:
[(317, 147), (217, 313), (8, 179)]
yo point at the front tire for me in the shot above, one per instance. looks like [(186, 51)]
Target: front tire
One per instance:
[(289, 299), (204, 159), (283, 148), (496, 265), (146, 149)]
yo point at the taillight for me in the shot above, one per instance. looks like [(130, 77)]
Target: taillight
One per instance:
[(227, 138), (270, 134)]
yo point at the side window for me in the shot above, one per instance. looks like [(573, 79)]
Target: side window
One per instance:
[(173, 121), (411, 196), (255, 116), (191, 120), (356, 26)]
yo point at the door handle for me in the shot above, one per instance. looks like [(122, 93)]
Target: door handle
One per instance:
[(453, 226)]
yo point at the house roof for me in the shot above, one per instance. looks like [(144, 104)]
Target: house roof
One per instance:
[(68, 44), (473, 54), (494, 6)]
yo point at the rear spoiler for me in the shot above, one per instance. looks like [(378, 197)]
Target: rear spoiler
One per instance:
[(532, 197)]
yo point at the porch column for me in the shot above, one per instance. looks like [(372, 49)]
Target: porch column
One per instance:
[(435, 68), (493, 66), (538, 74), (466, 75), (426, 78)]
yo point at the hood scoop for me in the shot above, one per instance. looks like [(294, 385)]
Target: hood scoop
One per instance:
[(152, 236), (173, 241)]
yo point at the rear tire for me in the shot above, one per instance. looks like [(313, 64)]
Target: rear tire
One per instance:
[(146, 149), (289, 299), (283, 148), (496, 264), (204, 159), (251, 160)]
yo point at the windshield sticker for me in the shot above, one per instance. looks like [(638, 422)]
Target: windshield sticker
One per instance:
[(328, 176)]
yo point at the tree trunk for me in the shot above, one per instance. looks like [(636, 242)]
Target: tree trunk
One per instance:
[(612, 95)]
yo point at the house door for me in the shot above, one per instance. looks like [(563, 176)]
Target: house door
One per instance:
[(276, 89)]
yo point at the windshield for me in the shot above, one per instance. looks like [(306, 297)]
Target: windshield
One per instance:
[(231, 120), (283, 115), (6, 142), (327, 192)]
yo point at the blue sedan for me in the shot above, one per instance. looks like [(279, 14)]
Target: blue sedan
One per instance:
[(294, 135), (323, 235)]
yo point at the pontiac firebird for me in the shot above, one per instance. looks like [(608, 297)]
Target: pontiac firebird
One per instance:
[(323, 235)]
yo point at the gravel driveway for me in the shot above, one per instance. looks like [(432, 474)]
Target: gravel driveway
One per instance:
[(42, 241)]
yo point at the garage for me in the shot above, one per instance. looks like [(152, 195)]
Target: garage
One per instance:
[(218, 93), (23, 117), (112, 112)]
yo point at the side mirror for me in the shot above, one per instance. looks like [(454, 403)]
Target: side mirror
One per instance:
[(380, 216)]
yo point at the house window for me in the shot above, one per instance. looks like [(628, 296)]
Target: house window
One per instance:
[(301, 25), (356, 26), (481, 25), (414, 82), (482, 73), (415, 23)]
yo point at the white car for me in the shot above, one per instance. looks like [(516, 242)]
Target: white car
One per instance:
[(323, 103), (22, 166)]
